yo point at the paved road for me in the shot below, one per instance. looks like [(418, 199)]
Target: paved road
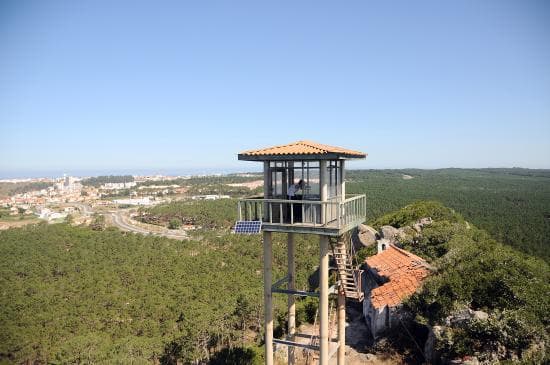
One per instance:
[(121, 221)]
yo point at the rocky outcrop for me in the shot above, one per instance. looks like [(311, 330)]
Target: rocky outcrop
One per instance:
[(421, 223), (439, 338), (435, 336), (405, 234), (389, 233), (365, 236), (480, 315), (465, 315)]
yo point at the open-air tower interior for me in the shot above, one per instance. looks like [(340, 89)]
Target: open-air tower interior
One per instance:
[(305, 193)]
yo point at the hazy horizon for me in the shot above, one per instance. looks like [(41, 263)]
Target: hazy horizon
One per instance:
[(56, 173)]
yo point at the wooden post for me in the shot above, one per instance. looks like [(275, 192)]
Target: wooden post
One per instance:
[(291, 299), (323, 301), (341, 327), (268, 300)]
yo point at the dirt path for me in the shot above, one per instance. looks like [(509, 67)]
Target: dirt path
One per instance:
[(357, 339)]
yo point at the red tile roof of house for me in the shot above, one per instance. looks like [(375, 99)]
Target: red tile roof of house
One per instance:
[(301, 148), (405, 272)]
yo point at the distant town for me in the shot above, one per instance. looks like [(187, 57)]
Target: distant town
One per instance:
[(78, 199)]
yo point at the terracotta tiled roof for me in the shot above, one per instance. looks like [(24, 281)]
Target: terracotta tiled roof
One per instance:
[(302, 148), (405, 272)]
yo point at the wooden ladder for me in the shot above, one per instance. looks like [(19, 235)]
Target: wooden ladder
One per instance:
[(349, 276)]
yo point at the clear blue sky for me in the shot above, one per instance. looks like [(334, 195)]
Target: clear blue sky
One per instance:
[(111, 85)]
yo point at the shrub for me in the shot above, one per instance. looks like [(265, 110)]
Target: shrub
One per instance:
[(174, 224), (98, 222), (238, 356), (306, 309), (365, 252), (413, 212)]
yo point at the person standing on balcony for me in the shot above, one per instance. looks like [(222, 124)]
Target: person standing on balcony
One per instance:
[(292, 195)]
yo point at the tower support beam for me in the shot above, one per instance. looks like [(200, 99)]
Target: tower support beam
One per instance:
[(341, 327), (268, 299), (341, 308), (291, 299), (323, 301)]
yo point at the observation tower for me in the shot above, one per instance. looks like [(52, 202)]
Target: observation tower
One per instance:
[(305, 193)]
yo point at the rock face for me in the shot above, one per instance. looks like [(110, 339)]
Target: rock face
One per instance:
[(365, 236), (459, 317), (439, 337), (389, 233), (434, 336), (480, 315), (464, 316)]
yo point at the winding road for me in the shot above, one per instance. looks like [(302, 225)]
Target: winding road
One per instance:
[(118, 220), (121, 220)]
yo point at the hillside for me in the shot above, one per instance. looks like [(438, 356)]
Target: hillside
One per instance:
[(473, 272), (7, 189), (72, 294), (513, 205)]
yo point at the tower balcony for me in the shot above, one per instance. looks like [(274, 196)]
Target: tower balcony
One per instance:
[(332, 217)]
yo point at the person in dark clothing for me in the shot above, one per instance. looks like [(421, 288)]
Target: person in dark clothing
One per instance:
[(292, 195)]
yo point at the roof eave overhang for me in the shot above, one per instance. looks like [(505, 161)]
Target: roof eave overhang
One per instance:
[(302, 157)]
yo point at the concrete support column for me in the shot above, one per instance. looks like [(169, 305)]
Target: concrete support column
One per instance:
[(341, 327), (268, 299), (267, 181), (291, 299), (341, 307), (323, 188), (323, 301), (343, 178)]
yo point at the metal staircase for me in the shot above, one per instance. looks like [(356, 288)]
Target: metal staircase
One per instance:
[(349, 276)]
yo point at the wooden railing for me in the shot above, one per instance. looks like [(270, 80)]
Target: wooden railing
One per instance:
[(333, 212)]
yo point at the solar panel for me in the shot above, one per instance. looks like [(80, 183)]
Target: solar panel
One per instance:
[(248, 227)]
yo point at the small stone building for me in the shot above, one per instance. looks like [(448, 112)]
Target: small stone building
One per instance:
[(391, 276)]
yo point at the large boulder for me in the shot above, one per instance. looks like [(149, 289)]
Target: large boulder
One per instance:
[(459, 317), (480, 315), (365, 236), (389, 233)]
